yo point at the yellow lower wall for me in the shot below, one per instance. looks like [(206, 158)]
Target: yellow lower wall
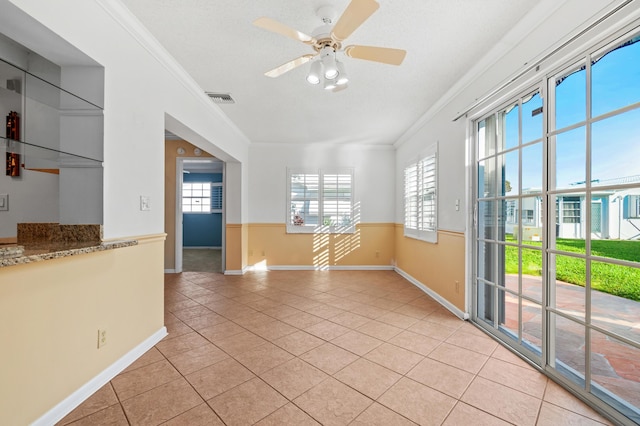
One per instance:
[(371, 245), (50, 313), (437, 266), (235, 238)]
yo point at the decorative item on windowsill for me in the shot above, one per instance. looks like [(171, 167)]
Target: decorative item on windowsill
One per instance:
[(13, 126), (298, 220), (13, 164)]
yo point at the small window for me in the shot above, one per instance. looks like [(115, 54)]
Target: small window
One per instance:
[(420, 197), (631, 207), (571, 210), (320, 201), (201, 197), (512, 212), (528, 217)]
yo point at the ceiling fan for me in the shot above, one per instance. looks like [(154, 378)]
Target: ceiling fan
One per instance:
[(327, 41)]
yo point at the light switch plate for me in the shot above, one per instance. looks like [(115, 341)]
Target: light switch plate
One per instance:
[(4, 202), (145, 203)]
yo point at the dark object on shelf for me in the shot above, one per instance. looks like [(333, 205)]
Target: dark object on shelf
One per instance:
[(13, 126), (13, 164)]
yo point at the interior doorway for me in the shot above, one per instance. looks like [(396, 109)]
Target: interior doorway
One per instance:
[(199, 215)]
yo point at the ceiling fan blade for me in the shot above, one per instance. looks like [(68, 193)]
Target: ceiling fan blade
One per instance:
[(377, 54), (278, 71), (280, 28), (354, 15)]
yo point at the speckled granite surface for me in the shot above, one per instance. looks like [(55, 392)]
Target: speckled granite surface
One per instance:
[(54, 232), (11, 251), (45, 251), (43, 241)]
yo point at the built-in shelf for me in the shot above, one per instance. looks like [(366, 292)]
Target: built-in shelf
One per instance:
[(57, 128), (38, 158)]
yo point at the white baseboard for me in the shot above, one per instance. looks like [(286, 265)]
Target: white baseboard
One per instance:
[(444, 302), (79, 396), (330, 268), (169, 271), (235, 271)]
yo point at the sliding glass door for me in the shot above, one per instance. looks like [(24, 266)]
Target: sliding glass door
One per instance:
[(509, 218), (557, 225)]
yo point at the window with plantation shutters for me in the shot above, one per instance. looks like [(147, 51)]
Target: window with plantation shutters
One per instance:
[(320, 201), (420, 197)]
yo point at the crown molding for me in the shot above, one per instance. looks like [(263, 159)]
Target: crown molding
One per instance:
[(125, 18), (511, 39)]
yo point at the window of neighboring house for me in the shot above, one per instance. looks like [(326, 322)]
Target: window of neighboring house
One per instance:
[(631, 207), (320, 201), (420, 197), (528, 217), (512, 211), (571, 210), (201, 197)]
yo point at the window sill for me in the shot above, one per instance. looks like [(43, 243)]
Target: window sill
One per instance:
[(431, 237), (292, 229)]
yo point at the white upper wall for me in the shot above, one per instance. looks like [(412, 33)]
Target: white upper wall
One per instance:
[(373, 177), (546, 28), (143, 85)]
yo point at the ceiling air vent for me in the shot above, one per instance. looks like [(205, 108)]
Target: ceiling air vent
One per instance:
[(221, 98)]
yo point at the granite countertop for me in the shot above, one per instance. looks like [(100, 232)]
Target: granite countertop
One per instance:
[(44, 241), (36, 252)]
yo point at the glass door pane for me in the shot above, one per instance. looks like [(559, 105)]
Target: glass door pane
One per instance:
[(509, 212)]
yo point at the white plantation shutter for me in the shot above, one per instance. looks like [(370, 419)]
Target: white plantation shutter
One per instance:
[(428, 189), (336, 199), (420, 197), (411, 196), (216, 197)]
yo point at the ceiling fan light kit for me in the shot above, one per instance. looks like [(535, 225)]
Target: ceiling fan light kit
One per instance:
[(342, 78), (327, 43), (315, 72)]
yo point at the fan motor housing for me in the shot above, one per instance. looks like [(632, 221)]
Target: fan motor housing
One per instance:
[(321, 43)]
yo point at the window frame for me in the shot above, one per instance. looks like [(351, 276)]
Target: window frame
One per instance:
[(211, 186), (417, 224), (631, 206), (319, 227)]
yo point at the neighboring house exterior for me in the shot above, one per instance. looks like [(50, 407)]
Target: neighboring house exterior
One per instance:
[(615, 215)]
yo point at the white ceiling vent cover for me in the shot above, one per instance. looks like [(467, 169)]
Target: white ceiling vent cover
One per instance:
[(221, 98)]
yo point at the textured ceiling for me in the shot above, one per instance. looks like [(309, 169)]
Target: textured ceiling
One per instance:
[(215, 41)]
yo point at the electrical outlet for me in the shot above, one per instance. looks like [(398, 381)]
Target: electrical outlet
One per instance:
[(377, 253), (457, 286), (4, 202), (102, 338)]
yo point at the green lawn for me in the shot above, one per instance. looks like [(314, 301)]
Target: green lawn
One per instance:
[(619, 280)]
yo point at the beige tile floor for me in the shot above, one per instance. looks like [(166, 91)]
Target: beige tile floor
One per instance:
[(318, 347)]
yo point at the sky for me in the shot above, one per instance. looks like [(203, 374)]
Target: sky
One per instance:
[(615, 140)]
